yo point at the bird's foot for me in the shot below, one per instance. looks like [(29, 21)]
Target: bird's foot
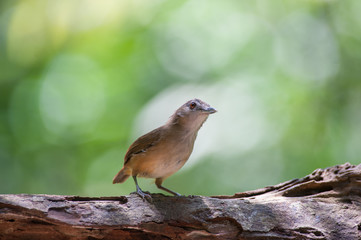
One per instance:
[(177, 194), (144, 195)]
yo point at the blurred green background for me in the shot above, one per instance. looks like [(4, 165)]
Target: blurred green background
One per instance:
[(80, 80)]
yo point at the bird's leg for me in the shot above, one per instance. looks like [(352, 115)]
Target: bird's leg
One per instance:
[(139, 191), (159, 181)]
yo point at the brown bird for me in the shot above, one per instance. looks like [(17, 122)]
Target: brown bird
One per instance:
[(163, 151)]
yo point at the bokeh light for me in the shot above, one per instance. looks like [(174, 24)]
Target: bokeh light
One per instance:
[(81, 80)]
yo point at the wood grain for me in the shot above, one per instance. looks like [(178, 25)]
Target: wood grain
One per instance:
[(323, 205)]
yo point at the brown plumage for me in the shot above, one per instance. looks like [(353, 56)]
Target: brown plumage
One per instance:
[(163, 151)]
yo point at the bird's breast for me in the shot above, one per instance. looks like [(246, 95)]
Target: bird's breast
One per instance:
[(162, 160)]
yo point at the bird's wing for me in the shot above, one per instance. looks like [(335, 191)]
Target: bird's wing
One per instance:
[(143, 143)]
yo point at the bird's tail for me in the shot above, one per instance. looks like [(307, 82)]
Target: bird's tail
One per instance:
[(121, 176)]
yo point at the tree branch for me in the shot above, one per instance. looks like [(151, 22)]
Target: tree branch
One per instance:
[(323, 205)]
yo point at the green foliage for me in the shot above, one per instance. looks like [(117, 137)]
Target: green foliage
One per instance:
[(80, 80)]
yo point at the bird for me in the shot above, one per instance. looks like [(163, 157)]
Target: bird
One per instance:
[(163, 151)]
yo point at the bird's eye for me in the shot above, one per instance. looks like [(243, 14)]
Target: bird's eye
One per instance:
[(192, 105)]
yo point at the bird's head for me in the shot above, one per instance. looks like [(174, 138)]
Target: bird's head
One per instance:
[(197, 107), (193, 113)]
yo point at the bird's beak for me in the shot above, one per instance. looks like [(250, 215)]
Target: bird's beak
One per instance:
[(210, 110)]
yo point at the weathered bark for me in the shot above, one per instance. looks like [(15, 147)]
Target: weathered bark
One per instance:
[(323, 205)]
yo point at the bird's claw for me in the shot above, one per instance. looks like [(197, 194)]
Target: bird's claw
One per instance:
[(144, 195)]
